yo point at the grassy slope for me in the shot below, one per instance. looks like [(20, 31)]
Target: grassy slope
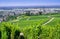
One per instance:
[(52, 29), (31, 27)]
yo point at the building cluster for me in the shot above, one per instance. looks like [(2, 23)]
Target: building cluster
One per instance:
[(5, 13)]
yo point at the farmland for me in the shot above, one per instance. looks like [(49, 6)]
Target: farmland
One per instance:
[(32, 27)]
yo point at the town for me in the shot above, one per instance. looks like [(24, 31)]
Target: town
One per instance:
[(17, 11)]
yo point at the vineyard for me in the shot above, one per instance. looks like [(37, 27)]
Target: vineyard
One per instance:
[(33, 27)]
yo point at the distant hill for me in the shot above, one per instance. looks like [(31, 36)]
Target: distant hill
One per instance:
[(14, 7)]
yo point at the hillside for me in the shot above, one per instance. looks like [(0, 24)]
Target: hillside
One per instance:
[(33, 27)]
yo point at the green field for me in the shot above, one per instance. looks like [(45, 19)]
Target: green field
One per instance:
[(33, 27)]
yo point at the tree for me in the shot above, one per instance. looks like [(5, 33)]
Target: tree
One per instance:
[(40, 13), (28, 13)]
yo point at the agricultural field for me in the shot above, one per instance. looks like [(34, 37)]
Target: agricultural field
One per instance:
[(33, 27)]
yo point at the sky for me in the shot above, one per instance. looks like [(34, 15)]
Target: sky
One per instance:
[(29, 2)]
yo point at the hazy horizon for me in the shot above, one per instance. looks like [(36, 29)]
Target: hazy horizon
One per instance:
[(29, 3)]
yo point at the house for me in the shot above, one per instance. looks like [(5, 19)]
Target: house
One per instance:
[(1, 19)]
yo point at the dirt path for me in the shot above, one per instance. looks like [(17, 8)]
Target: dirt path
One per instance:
[(28, 18), (49, 21)]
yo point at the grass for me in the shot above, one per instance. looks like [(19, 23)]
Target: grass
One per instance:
[(32, 27)]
